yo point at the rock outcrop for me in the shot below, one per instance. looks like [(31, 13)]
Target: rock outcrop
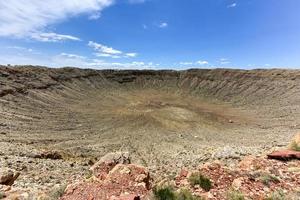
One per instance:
[(108, 162), (285, 155), (113, 179), (293, 151)]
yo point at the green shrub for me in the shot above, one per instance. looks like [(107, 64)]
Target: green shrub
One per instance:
[(294, 146), (202, 181), (267, 178), (164, 193), (235, 195), (277, 195), (168, 193)]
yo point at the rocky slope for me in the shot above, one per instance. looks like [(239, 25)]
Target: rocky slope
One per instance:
[(57, 122)]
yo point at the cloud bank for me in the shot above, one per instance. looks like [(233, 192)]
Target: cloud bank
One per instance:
[(30, 18)]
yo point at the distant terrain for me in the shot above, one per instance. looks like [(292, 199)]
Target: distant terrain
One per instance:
[(166, 119)]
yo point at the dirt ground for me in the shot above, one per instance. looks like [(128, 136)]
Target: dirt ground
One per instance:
[(165, 119)]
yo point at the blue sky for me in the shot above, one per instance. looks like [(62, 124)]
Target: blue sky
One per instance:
[(155, 34)]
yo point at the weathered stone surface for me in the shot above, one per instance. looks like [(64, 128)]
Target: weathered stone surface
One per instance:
[(123, 182), (108, 162), (285, 155)]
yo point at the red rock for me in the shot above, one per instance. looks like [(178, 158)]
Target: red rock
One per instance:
[(181, 177), (284, 155), (123, 182), (183, 173)]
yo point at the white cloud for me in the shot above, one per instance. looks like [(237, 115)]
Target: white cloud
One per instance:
[(224, 61), (95, 16), (131, 55), (186, 63), (117, 65), (202, 62), (232, 5), (20, 48), (68, 55), (22, 18), (105, 51), (66, 59), (53, 37), (106, 55), (163, 25), (69, 59)]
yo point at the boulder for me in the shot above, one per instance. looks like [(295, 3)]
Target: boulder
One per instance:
[(284, 155), (130, 176), (108, 162)]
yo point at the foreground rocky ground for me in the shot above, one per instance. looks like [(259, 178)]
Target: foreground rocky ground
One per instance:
[(253, 178), (113, 177)]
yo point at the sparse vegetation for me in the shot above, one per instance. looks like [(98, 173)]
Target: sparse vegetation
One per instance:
[(294, 146), (202, 181), (164, 193), (2, 195), (88, 175), (277, 195), (295, 143), (168, 193), (57, 192), (268, 178), (235, 195)]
